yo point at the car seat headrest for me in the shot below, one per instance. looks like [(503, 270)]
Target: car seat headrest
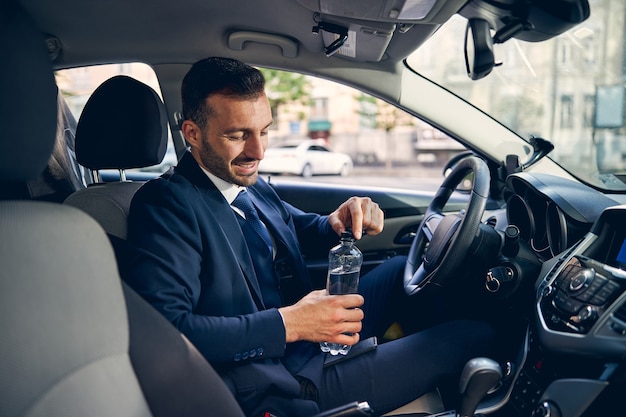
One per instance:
[(28, 97), (123, 126)]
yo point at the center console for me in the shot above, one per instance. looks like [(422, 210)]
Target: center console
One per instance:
[(577, 340), (582, 292)]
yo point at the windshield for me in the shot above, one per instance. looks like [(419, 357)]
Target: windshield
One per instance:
[(568, 90)]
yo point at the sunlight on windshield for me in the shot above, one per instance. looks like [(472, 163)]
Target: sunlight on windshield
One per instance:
[(569, 90)]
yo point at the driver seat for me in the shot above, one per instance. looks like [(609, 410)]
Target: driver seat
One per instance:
[(123, 126)]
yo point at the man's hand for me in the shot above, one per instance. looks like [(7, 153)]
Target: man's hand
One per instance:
[(319, 317), (359, 213)]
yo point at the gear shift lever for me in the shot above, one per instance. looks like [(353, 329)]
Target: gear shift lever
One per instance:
[(478, 377)]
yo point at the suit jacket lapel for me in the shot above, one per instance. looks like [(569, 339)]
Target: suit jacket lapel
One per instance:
[(228, 223), (278, 220), (274, 222)]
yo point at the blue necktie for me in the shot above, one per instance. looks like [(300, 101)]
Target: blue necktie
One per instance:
[(260, 246), (243, 203)]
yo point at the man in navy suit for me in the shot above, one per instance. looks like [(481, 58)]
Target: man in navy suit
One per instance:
[(260, 326)]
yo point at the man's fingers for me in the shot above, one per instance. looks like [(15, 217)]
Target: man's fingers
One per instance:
[(348, 301), (349, 339), (366, 216), (354, 314)]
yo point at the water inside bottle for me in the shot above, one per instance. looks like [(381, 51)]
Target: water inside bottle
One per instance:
[(343, 282)]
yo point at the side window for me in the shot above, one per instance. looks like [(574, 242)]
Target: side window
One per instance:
[(381, 139), (77, 84)]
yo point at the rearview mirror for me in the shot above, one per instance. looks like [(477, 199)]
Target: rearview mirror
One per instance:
[(479, 58)]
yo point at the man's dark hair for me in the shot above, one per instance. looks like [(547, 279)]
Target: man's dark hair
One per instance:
[(217, 75)]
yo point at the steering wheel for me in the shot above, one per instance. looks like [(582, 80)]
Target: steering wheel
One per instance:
[(449, 237)]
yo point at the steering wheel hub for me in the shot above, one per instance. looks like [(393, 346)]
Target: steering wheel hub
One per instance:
[(442, 237)]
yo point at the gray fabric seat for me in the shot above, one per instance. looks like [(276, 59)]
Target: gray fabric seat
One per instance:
[(122, 126), (69, 353), (76, 341)]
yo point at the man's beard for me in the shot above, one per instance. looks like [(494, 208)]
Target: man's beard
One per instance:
[(223, 169)]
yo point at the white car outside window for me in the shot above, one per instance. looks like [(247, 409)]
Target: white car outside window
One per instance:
[(306, 158)]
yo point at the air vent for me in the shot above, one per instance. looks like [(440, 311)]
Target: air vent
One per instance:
[(555, 268), (557, 265)]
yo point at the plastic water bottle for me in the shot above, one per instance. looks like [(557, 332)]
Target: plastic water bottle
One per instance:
[(344, 269)]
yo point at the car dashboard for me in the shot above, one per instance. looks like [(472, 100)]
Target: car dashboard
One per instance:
[(552, 213), (574, 345)]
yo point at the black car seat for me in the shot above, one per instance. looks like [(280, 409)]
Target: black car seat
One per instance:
[(75, 342), (123, 126)]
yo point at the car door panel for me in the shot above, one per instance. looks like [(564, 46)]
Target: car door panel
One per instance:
[(404, 210)]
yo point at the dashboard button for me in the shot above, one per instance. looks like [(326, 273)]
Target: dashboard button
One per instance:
[(612, 285), (569, 305), (596, 284), (585, 296), (608, 290), (597, 300)]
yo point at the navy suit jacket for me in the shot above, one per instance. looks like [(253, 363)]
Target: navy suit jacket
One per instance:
[(189, 259)]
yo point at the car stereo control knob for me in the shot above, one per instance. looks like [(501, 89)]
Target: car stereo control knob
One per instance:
[(548, 291), (546, 409), (582, 279)]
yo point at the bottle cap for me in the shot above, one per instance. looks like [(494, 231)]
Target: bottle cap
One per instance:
[(347, 234)]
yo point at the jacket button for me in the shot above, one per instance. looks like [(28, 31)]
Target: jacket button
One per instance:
[(237, 357), (259, 351)]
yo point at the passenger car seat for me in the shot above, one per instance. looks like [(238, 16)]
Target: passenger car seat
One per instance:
[(123, 126), (63, 175), (76, 342)]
